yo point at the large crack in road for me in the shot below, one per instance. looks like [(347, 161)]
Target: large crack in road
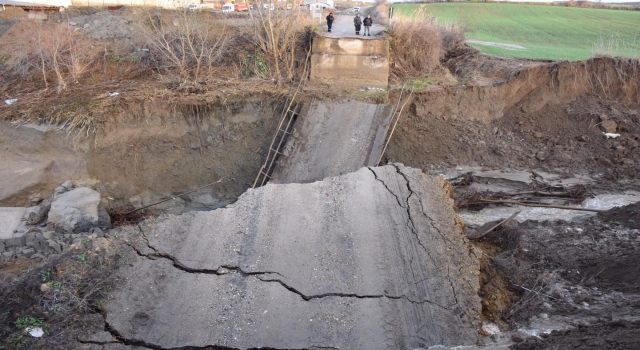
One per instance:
[(328, 264)]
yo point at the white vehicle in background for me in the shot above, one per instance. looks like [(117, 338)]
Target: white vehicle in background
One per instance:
[(356, 9), (229, 7)]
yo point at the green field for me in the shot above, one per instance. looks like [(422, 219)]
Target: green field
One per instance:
[(546, 32)]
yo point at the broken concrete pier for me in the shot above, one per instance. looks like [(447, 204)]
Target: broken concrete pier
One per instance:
[(373, 259)]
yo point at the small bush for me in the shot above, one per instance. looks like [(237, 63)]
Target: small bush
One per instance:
[(419, 44), (62, 52), (184, 41)]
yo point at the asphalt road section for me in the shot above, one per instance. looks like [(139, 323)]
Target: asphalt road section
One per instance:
[(343, 28), (374, 259), (331, 139)]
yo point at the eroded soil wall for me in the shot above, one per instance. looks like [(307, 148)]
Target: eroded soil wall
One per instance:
[(151, 151), (545, 115)]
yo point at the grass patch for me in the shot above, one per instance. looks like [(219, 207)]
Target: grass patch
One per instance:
[(375, 96), (547, 32)]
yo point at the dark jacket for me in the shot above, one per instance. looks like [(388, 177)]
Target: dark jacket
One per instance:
[(330, 18), (367, 22), (357, 21)]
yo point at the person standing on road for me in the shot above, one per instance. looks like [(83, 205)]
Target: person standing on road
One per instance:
[(367, 25), (330, 21), (357, 21)]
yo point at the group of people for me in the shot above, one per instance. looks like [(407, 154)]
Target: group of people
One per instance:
[(357, 22)]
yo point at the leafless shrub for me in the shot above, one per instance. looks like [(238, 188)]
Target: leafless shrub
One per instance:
[(419, 43), (183, 40), (281, 37), (62, 52)]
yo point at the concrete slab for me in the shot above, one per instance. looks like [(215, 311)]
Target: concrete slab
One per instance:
[(341, 58), (21, 177), (10, 219), (361, 261), (331, 139)]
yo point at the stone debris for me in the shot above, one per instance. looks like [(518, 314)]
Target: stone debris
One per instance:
[(77, 210), (57, 223)]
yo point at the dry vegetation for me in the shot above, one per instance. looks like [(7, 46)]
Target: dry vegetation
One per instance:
[(64, 296), (181, 45), (420, 44), (163, 54)]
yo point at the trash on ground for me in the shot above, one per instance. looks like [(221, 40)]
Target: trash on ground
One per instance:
[(610, 135), (35, 332), (10, 101), (112, 94)]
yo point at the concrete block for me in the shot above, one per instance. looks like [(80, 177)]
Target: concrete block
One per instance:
[(10, 219)]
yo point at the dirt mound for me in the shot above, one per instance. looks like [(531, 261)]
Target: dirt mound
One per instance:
[(618, 335), (627, 216)]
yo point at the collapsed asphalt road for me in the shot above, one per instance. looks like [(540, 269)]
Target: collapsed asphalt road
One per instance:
[(369, 260)]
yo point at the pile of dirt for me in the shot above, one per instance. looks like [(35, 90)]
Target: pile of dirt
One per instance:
[(580, 276), (627, 216)]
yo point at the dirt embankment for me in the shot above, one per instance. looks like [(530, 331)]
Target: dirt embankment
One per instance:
[(525, 114), (152, 150)]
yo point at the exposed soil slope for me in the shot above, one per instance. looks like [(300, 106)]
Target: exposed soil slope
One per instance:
[(527, 115)]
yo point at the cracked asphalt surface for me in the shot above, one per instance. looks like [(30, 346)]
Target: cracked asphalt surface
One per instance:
[(374, 259), (333, 138)]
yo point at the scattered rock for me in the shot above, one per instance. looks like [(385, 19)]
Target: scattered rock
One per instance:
[(609, 126), (38, 256), (517, 338), (538, 135), (58, 191), (542, 155), (37, 214), (97, 231), (14, 242), (8, 255), (48, 234), (55, 246), (31, 240), (78, 210), (35, 199), (27, 252), (583, 138), (604, 117), (68, 185), (77, 241), (45, 287)]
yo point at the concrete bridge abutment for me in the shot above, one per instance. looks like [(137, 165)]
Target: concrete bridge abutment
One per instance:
[(350, 61)]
